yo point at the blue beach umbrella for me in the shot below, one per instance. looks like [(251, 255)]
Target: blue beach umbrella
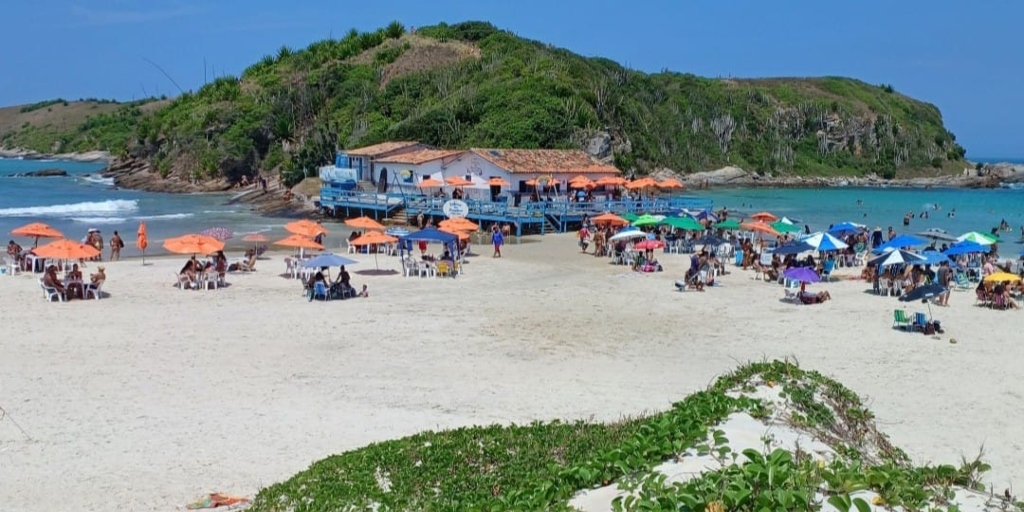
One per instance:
[(901, 242), (328, 260), (934, 257), (846, 228), (825, 242), (897, 257), (793, 248), (964, 248)]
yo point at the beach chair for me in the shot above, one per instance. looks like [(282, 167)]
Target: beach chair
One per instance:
[(319, 290), (920, 320), (443, 269), (290, 268), (900, 319), (826, 269), (182, 281), (94, 289), (792, 289), (11, 266), (962, 283), (210, 280), (50, 292)]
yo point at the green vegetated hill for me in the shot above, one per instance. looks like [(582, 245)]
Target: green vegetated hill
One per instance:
[(471, 84)]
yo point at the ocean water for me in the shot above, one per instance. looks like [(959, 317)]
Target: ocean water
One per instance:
[(83, 200), (76, 203), (997, 160), (975, 209)]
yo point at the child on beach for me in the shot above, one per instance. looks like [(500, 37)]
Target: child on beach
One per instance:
[(497, 239)]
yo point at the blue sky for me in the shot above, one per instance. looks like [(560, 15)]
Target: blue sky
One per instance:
[(962, 56)]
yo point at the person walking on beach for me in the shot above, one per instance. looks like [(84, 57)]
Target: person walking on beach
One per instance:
[(584, 234), (945, 279), (116, 244), (497, 239)]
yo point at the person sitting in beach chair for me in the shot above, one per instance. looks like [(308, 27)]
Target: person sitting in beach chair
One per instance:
[(249, 265), (814, 298), (188, 273)]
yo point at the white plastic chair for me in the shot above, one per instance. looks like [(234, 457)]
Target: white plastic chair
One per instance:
[(94, 290), (351, 249), (50, 292)]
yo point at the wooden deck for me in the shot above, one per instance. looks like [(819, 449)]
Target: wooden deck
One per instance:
[(529, 217)]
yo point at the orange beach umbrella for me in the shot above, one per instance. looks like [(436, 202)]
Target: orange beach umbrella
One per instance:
[(374, 238), (610, 218), (670, 183), (760, 227), (306, 228), (611, 180), (498, 182), (364, 223), (255, 237), (764, 217), (430, 183), (65, 249), (193, 244), (142, 241), (37, 230), (299, 242), (458, 224), (641, 183), (458, 181)]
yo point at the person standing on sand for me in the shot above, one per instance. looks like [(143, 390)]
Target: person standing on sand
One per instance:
[(584, 235), (497, 239), (97, 242), (116, 244)]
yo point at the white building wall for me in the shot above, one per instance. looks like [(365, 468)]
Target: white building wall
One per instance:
[(406, 177)]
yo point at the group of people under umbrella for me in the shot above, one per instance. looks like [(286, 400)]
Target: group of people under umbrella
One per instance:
[(62, 255)]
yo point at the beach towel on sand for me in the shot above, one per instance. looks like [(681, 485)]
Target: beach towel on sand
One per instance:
[(216, 500)]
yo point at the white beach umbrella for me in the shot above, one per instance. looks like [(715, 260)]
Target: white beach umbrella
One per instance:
[(898, 257), (822, 241), (629, 234)]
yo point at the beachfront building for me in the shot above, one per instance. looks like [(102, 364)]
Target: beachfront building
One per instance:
[(361, 164), (527, 188), (522, 169)]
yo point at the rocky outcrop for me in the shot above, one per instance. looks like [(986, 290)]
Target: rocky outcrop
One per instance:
[(599, 146), (42, 173), (88, 156), (1001, 172), (137, 174)]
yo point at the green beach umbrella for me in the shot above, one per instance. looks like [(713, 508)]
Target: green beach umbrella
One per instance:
[(630, 216), (645, 220), (785, 227), (729, 225), (978, 238), (683, 223)]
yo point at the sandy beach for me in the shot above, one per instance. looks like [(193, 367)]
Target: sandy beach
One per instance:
[(153, 396)]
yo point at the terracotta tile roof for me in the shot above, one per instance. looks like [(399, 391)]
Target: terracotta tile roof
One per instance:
[(545, 161), (420, 156), (380, 149)]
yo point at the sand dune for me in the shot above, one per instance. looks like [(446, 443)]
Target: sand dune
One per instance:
[(152, 397)]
